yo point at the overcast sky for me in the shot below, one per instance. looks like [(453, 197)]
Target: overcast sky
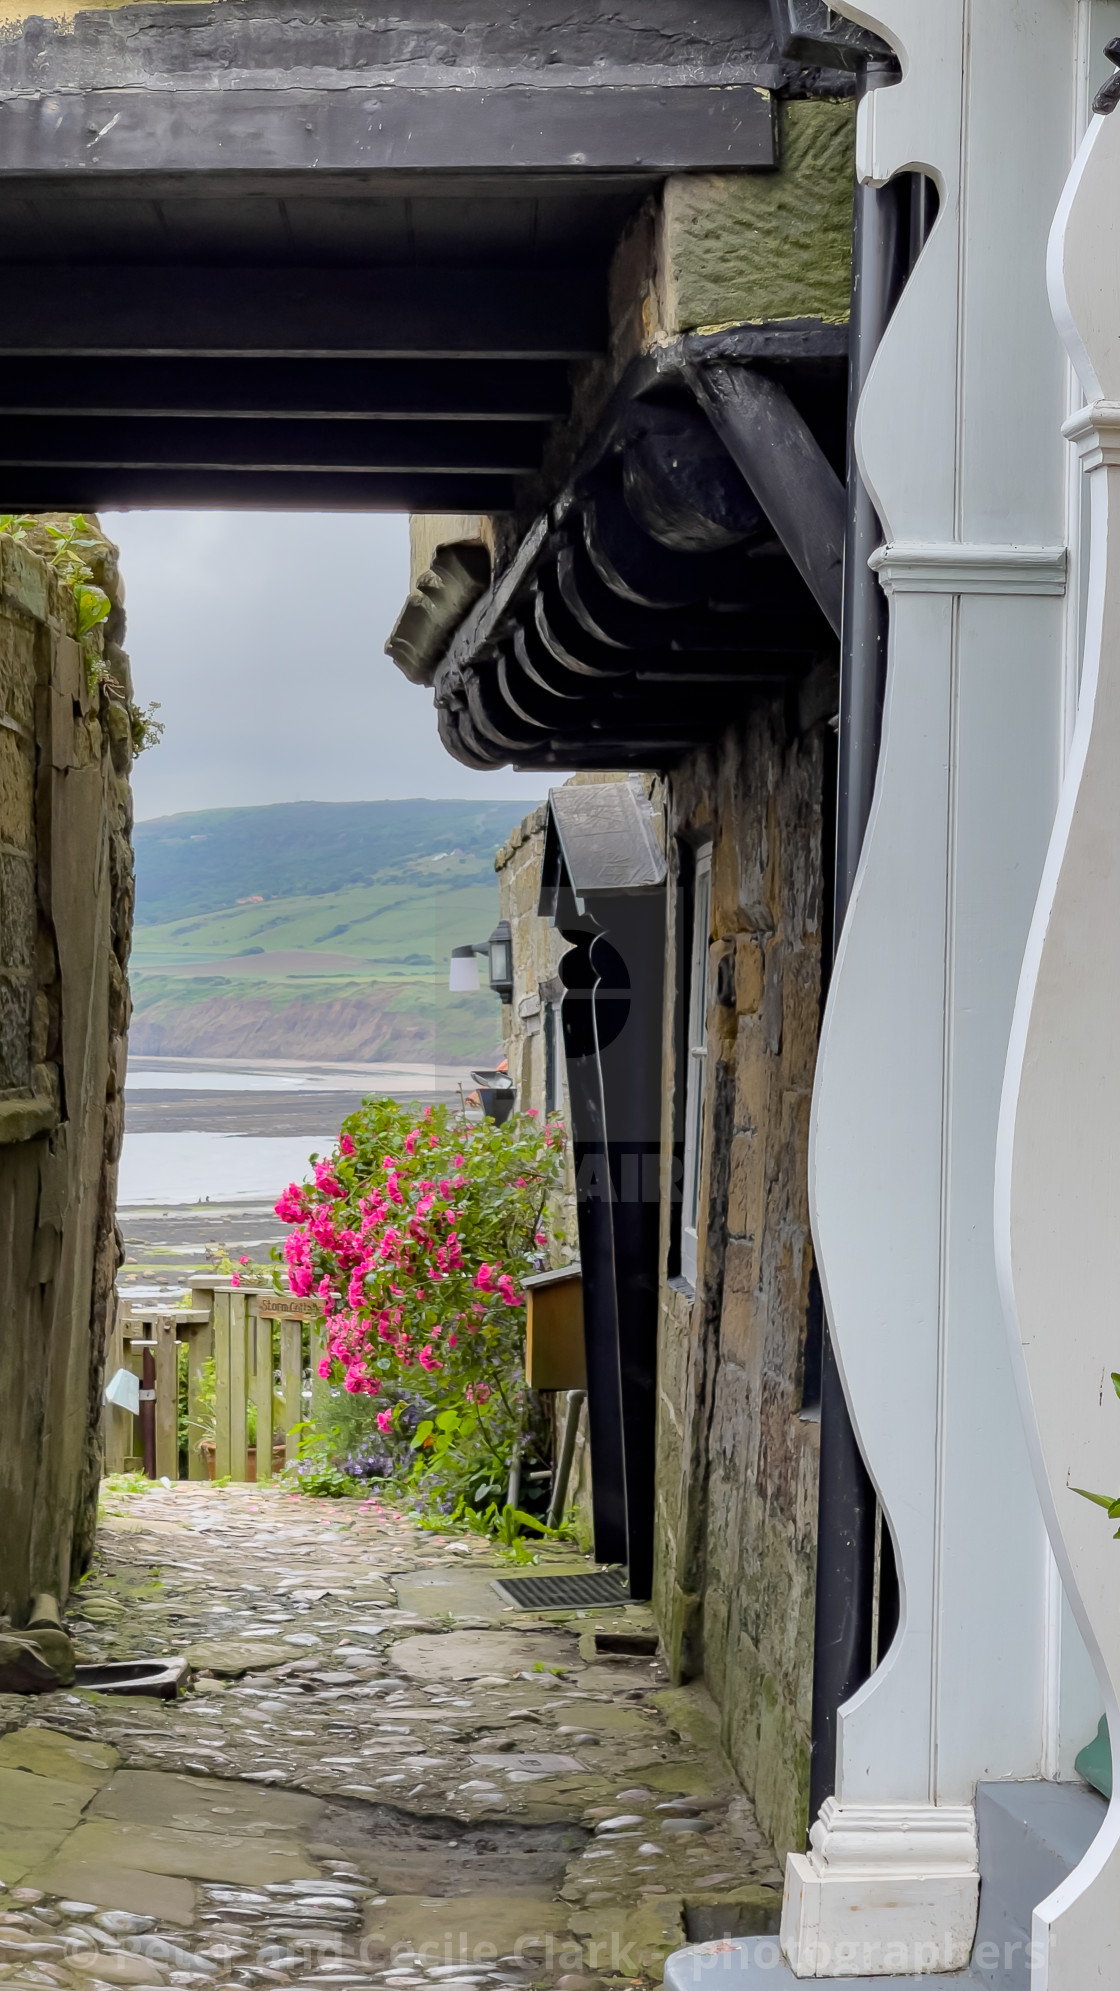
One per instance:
[(262, 636)]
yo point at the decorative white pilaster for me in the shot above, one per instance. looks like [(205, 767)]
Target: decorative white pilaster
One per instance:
[(1058, 1179), (958, 439), (886, 1889)]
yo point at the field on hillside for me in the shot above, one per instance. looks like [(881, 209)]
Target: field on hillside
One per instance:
[(343, 955), (203, 862)]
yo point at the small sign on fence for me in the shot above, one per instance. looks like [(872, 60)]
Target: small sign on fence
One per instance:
[(278, 1306)]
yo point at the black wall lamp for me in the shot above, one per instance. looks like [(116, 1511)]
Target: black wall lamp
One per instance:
[(497, 951)]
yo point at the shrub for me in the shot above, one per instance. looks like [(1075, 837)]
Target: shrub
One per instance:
[(416, 1236)]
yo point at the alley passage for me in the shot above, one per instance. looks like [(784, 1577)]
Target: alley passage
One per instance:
[(381, 1774)]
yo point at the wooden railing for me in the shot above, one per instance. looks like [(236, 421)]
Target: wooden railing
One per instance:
[(233, 1328)]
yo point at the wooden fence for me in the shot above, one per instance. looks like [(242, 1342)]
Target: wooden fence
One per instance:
[(232, 1327)]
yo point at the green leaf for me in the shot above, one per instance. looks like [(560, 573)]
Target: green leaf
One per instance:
[(1105, 1500), (1116, 1381)]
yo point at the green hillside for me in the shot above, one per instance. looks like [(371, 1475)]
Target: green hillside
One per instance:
[(287, 932), (200, 863)]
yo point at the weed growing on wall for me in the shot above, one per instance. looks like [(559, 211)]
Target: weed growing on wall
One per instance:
[(64, 545), (416, 1235)]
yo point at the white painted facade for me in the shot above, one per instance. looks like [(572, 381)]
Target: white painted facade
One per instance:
[(973, 1435)]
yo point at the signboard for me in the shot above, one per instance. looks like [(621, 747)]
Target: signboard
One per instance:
[(281, 1306)]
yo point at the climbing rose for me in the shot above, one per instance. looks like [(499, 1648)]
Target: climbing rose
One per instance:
[(415, 1240)]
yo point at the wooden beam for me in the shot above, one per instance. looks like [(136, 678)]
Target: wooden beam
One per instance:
[(67, 489), (524, 390), (375, 312), (508, 127), (786, 469), (135, 442)]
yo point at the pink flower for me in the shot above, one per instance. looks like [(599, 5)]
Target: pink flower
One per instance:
[(540, 1237), (243, 1260), (235, 1279), (484, 1278), (410, 1143), (510, 1297), (325, 1367), (428, 1359), (327, 1180), (385, 1420), (532, 1113), (291, 1207), (346, 1144)]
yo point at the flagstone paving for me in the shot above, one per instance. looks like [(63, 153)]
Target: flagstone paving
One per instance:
[(354, 1792)]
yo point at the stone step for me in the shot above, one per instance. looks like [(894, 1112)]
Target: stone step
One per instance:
[(1031, 1836)]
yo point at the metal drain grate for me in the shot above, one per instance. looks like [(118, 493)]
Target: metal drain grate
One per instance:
[(563, 1593)]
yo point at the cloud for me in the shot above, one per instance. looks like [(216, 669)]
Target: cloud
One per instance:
[(261, 634)]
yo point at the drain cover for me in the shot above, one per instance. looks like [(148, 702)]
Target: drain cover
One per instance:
[(563, 1593)]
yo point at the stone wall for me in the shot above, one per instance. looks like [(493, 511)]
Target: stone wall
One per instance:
[(66, 894), (737, 1446)]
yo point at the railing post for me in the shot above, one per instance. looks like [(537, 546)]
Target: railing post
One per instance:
[(167, 1397), (238, 1388), (200, 1350), (260, 1347), (223, 1307), (291, 1381)]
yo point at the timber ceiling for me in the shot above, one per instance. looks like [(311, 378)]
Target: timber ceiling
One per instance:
[(254, 256)]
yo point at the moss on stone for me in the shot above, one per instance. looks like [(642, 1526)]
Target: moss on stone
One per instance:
[(753, 247)]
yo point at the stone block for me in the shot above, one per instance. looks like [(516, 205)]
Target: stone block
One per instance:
[(27, 581), (17, 672), (748, 247), (746, 1198), (748, 974), (168, 1897), (18, 920), (754, 1073), (36, 1815), (68, 673), (743, 1319), (17, 791), (45, 1752), (213, 1855), (15, 1032), (800, 1026)]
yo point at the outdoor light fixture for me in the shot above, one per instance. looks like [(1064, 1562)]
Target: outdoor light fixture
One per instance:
[(497, 951), (500, 949), (463, 979)]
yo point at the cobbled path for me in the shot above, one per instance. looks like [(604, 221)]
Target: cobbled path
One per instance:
[(380, 1775)]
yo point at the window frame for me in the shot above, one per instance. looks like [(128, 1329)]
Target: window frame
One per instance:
[(553, 1056), (695, 1052)]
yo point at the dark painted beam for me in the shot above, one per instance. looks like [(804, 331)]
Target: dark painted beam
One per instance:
[(145, 443), (40, 490), (780, 616), (509, 127), (786, 469), (354, 390), (410, 313), (682, 487)]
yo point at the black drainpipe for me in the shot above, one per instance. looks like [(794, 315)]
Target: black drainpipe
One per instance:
[(882, 254)]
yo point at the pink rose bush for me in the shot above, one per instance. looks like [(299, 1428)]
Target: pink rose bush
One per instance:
[(415, 1236)]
